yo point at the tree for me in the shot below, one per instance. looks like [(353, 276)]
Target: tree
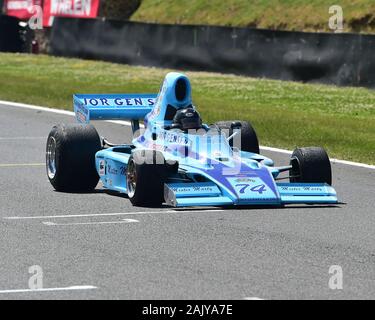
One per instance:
[(118, 9)]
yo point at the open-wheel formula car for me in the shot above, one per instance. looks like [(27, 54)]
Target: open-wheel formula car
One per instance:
[(176, 159)]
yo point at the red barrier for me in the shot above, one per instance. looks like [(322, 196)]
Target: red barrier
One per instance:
[(21, 9), (69, 8)]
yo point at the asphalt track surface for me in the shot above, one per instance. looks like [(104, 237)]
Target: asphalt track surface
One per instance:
[(164, 253)]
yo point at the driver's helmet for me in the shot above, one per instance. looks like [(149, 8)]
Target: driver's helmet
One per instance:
[(187, 118)]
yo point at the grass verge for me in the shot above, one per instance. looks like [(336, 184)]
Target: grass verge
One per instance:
[(285, 114), (274, 14)]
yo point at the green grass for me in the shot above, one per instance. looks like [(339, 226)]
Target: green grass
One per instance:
[(285, 114), (275, 14)]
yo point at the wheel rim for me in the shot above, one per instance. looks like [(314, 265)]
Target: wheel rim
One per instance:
[(51, 157), (131, 179), (295, 172)]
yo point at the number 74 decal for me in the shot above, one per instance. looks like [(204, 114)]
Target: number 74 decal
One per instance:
[(259, 188)]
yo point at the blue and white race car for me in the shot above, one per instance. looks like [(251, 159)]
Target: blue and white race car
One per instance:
[(176, 159)]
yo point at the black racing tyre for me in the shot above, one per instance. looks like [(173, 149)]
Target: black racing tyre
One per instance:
[(70, 157), (310, 165), (249, 139), (145, 176)]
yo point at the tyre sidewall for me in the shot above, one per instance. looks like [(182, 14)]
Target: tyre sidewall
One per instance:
[(312, 165), (150, 178), (76, 146)]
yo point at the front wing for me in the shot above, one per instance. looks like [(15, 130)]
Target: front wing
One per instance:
[(209, 194)]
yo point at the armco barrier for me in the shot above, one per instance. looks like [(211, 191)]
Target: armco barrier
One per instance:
[(342, 59), (10, 34)]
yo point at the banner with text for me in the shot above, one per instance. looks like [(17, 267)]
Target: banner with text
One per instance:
[(21, 9), (69, 8)]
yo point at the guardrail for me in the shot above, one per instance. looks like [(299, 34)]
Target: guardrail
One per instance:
[(341, 59)]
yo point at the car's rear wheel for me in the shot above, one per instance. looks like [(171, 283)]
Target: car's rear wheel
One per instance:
[(249, 139), (145, 177), (70, 157), (310, 165)]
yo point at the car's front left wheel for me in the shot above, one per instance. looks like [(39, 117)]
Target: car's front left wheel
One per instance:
[(145, 177), (310, 165)]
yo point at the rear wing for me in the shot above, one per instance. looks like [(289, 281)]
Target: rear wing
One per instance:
[(89, 107)]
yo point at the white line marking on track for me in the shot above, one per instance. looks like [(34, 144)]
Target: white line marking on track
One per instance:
[(275, 150), (252, 298), (48, 223), (10, 165), (349, 163), (127, 123), (109, 214), (52, 110), (353, 164), (21, 138), (48, 289)]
